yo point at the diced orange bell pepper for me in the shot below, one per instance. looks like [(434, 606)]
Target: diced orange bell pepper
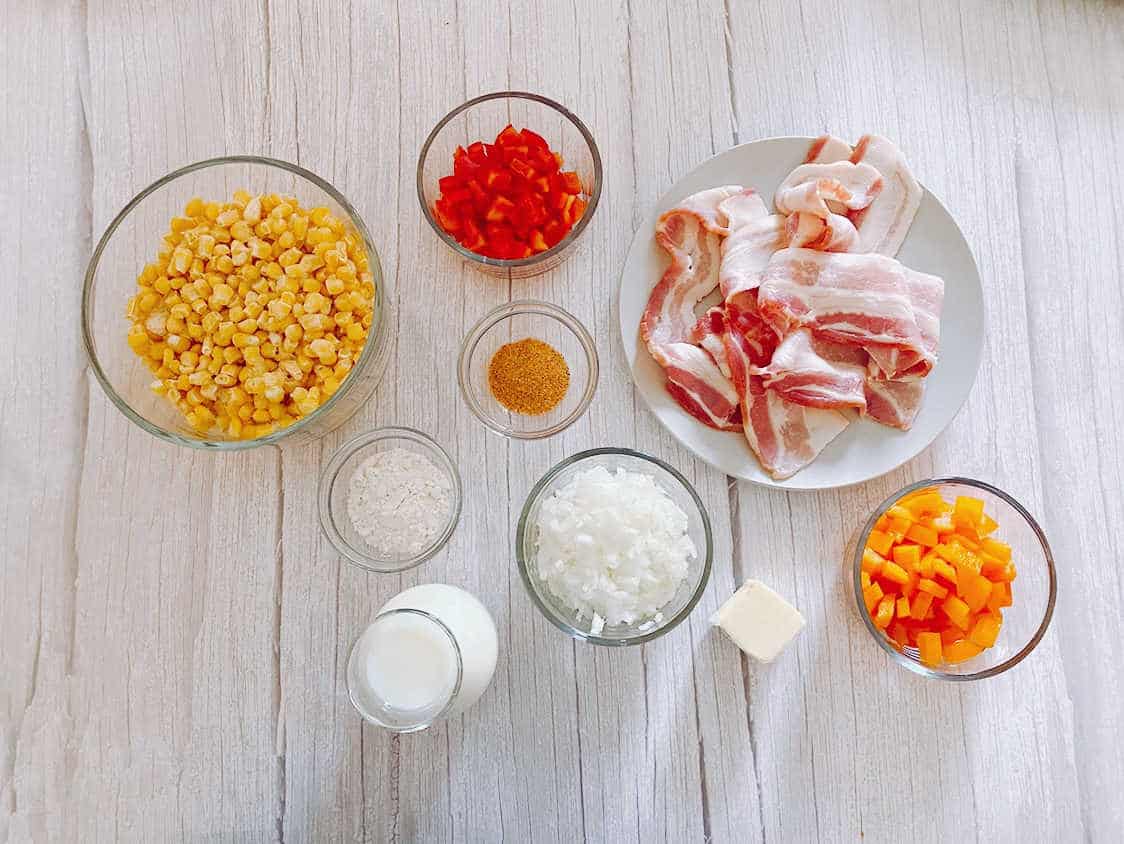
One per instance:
[(932, 587), (929, 648), (960, 651), (987, 525), (925, 567), (967, 511), (964, 541), (880, 542), (901, 609), (922, 601), (951, 634), (898, 634), (1000, 596), (885, 613), (986, 630), (911, 587), (871, 596), (872, 561), (975, 589), (922, 535), (908, 556), (925, 503), (894, 573), (997, 549), (957, 611), (942, 525), (945, 571), (864, 577)]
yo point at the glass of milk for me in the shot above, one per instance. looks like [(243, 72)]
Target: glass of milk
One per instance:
[(429, 654)]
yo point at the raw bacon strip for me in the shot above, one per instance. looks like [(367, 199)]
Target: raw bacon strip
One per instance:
[(826, 149), (810, 186), (893, 403), (694, 380), (800, 374), (863, 300), (884, 224), (786, 437), (691, 233), (708, 333), (754, 235), (836, 233), (743, 316)]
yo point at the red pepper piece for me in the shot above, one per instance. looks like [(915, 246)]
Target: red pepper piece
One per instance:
[(472, 239), (571, 182), (553, 233), (544, 161), (508, 137), (459, 196), (446, 215), (512, 153), (494, 153), (534, 140), (465, 168), (448, 183), (577, 209), (538, 241), (476, 152), (522, 168), (458, 153), (500, 208), (542, 184)]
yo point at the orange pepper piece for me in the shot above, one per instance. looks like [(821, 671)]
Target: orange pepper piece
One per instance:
[(908, 556), (1000, 550), (922, 535), (960, 651), (986, 630), (957, 611), (885, 613), (922, 601), (929, 648), (932, 587), (902, 608), (871, 596), (872, 561), (880, 542), (894, 573), (975, 589)]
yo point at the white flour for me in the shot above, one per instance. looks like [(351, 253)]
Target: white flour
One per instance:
[(398, 501)]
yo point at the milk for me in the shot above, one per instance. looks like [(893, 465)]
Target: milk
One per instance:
[(429, 654)]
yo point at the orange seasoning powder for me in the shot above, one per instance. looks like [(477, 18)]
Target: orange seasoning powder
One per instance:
[(528, 376)]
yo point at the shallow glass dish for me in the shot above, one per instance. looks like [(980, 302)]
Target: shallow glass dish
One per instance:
[(336, 479), (132, 240), (481, 119), (512, 322), (1033, 592), (698, 528)]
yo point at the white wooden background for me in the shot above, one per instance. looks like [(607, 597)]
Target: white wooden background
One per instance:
[(173, 627)]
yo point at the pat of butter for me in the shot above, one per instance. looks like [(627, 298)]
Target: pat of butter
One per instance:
[(759, 620)]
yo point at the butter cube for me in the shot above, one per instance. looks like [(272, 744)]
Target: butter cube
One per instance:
[(759, 621)]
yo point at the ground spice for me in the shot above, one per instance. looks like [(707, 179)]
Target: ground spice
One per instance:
[(528, 376)]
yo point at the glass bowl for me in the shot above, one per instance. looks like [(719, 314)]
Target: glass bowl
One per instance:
[(1033, 591), (336, 478), (681, 492), (481, 119), (132, 240), (516, 321)]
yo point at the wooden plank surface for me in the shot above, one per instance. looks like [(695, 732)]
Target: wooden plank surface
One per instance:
[(174, 626)]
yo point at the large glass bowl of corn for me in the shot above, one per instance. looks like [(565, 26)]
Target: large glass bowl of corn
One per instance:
[(235, 302)]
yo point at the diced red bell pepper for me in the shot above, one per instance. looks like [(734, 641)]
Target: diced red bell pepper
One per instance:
[(508, 136), (544, 161), (465, 168), (534, 140), (446, 215), (571, 182), (494, 153), (473, 239), (553, 233), (476, 152), (458, 153), (542, 183), (538, 241), (577, 209), (512, 153), (499, 210), (448, 183), (522, 168), (459, 196)]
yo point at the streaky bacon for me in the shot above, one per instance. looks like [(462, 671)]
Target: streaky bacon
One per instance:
[(884, 224), (800, 373), (810, 186), (785, 436), (865, 300), (835, 233), (708, 333), (754, 235), (695, 381), (826, 149), (691, 233), (893, 403), (743, 316)]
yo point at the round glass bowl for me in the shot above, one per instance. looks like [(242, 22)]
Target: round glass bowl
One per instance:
[(698, 528), (336, 480), (481, 119), (132, 241), (516, 321), (1033, 591)]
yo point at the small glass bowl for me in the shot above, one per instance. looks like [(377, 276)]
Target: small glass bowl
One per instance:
[(698, 528), (516, 321), (336, 479), (481, 119), (132, 240), (1033, 591)]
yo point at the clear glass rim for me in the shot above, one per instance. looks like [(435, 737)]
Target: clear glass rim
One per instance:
[(498, 315), (913, 665), (524, 567), (330, 475), (571, 236), (371, 349), (370, 718)]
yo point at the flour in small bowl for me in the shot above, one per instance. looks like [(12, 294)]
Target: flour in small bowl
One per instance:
[(399, 501)]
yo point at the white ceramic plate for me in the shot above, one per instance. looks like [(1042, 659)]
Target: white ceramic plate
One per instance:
[(865, 449)]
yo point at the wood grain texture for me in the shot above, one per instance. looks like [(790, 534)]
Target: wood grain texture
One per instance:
[(174, 628)]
